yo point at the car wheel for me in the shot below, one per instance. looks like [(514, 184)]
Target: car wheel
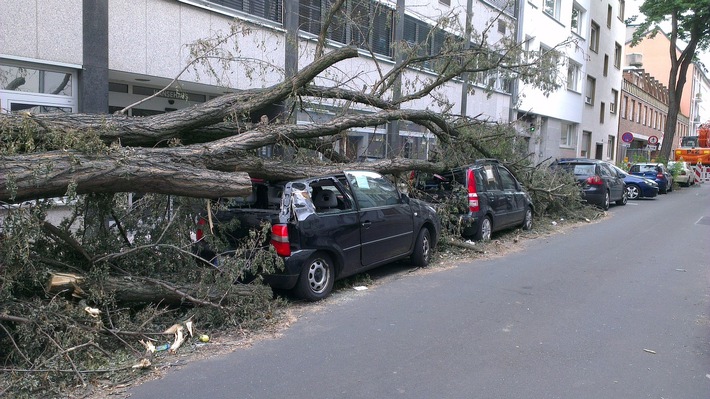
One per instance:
[(624, 199), (316, 279), (633, 191), (485, 228), (527, 222), (422, 249), (607, 201)]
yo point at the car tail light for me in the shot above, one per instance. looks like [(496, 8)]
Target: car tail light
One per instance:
[(279, 239), (200, 233), (595, 180), (473, 205), (659, 176), (682, 172)]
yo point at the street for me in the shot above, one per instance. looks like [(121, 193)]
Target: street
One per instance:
[(614, 309)]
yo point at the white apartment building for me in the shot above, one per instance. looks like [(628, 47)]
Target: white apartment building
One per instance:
[(581, 119), (100, 56)]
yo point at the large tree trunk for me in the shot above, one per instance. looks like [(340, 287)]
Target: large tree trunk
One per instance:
[(146, 290), (193, 170)]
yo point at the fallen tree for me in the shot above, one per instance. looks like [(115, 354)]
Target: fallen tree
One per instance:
[(128, 257)]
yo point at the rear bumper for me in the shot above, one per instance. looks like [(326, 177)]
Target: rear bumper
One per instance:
[(293, 265), (594, 195)]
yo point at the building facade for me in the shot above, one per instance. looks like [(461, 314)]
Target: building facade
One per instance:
[(654, 52), (101, 56), (580, 119)]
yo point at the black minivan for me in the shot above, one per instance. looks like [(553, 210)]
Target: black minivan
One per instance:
[(494, 198)]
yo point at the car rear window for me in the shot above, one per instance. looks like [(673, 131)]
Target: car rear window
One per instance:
[(578, 169), (647, 168)]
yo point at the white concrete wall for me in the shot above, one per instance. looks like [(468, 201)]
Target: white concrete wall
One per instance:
[(42, 30), (150, 37)]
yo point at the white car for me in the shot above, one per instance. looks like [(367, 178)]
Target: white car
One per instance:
[(685, 176)]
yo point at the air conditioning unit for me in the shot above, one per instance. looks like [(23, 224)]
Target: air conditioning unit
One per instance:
[(588, 100), (634, 60), (612, 108)]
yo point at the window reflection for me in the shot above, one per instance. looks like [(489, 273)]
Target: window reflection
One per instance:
[(32, 80)]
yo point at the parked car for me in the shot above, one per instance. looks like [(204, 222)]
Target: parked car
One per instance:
[(685, 176), (494, 199), (655, 171), (637, 186), (330, 227), (599, 183)]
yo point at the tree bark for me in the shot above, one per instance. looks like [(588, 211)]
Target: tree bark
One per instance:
[(139, 290)]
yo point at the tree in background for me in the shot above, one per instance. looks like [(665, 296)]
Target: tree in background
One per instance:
[(690, 23)]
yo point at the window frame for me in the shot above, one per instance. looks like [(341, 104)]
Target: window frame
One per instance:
[(591, 84), (581, 12), (594, 30), (569, 134), (551, 8)]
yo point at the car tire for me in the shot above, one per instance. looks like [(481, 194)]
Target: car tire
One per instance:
[(528, 220), (422, 249), (624, 199), (485, 229), (316, 279), (607, 201), (633, 192)]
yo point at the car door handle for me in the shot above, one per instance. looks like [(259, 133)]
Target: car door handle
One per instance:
[(366, 224)]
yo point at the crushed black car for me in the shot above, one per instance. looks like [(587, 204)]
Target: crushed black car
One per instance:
[(330, 227)]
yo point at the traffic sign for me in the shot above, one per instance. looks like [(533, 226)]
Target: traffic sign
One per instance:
[(653, 140), (627, 137)]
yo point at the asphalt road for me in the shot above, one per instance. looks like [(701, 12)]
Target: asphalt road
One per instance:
[(615, 309)]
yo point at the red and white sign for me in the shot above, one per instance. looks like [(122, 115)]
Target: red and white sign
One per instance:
[(653, 140), (702, 173)]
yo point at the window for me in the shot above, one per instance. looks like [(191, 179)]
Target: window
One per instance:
[(602, 112), (37, 88), (415, 34), (610, 145), (617, 56), (576, 24), (586, 144), (614, 98), (622, 6), (309, 16), (372, 190), (608, 16), (606, 64), (645, 115), (568, 136), (573, 74), (267, 9), (551, 8), (638, 113), (589, 92), (507, 180), (445, 2), (328, 198), (594, 37), (363, 23), (624, 103), (632, 109)]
